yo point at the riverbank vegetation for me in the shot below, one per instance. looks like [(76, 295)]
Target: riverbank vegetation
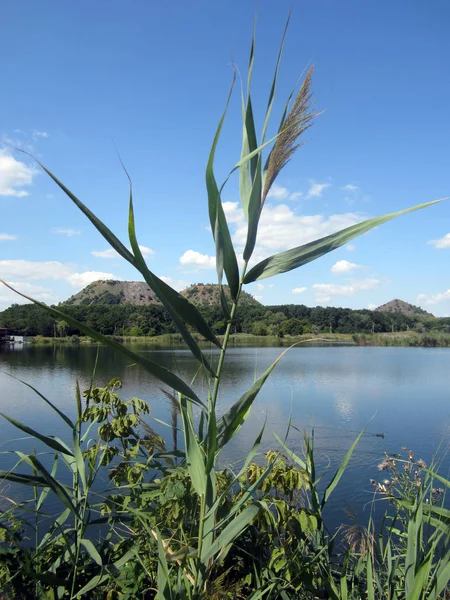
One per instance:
[(262, 321), (175, 524)]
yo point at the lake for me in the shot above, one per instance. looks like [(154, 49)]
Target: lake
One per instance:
[(336, 389)]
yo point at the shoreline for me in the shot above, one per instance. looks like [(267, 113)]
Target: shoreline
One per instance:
[(404, 338)]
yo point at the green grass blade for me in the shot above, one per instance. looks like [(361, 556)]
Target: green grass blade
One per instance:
[(297, 257), (274, 81), (194, 455), (153, 282), (340, 471), (254, 212), (92, 551), (225, 254), (161, 373), (48, 441), (60, 413), (414, 523), (232, 531), (22, 478), (190, 312)]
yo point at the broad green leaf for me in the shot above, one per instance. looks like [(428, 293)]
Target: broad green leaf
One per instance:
[(194, 455), (158, 371), (370, 592), (274, 81), (249, 142), (92, 551), (412, 549), (43, 495), (57, 488), (254, 212), (163, 592), (232, 531), (297, 257), (60, 413), (340, 471), (48, 441), (185, 309), (225, 254), (154, 282)]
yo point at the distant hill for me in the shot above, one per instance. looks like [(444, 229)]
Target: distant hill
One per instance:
[(139, 294), (405, 308), (115, 292), (202, 294)]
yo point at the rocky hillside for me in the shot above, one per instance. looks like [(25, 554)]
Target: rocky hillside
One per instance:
[(139, 294), (399, 306), (115, 292), (208, 294)]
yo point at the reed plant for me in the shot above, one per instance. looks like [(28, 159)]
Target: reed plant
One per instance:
[(178, 526)]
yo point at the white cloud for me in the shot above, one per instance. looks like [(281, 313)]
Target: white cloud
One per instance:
[(299, 290), (344, 266), (258, 298), (260, 286), (4, 237), (325, 291), (42, 134), (111, 253), (350, 187), (435, 299), (33, 270), (146, 251), (233, 212), (316, 189), (38, 292), (295, 195), (67, 232), (277, 192), (350, 247), (281, 229), (177, 284), (14, 175), (442, 243), (192, 258), (371, 306), (80, 280)]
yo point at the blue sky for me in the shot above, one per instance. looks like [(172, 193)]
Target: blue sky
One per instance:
[(153, 78)]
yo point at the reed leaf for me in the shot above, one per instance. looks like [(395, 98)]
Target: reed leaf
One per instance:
[(297, 257), (229, 424), (48, 441), (225, 254), (232, 531), (194, 454), (154, 283), (64, 417), (156, 370), (340, 471), (178, 303)]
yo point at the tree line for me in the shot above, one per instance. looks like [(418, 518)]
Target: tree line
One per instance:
[(282, 320)]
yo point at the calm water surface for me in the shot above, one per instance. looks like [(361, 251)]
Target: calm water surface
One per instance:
[(335, 389)]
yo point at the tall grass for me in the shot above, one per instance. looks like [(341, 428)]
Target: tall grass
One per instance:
[(178, 526)]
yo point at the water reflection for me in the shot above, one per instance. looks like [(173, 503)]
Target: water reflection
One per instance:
[(336, 390)]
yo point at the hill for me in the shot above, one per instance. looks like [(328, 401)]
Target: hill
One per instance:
[(207, 294), (114, 292), (405, 308), (138, 293)]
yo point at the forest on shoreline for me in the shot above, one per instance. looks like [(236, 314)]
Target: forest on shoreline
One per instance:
[(280, 321)]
